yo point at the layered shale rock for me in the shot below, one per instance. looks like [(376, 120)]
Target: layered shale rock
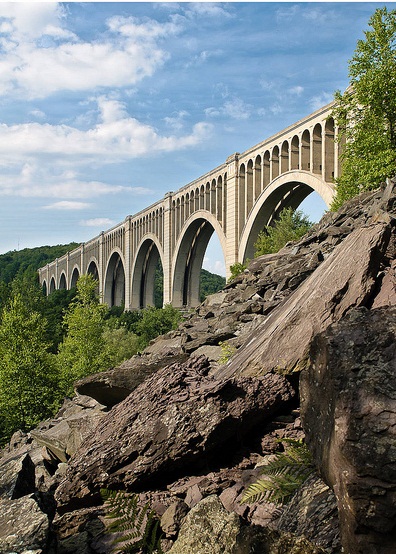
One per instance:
[(349, 414), (178, 418)]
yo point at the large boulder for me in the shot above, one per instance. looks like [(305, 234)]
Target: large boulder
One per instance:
[(348, 401), (346, 279), (113, 386), (179, 418), (208, 527)]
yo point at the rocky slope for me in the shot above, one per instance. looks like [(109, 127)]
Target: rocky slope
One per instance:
[(188, 429)]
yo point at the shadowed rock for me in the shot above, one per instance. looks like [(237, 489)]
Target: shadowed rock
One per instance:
[(348, 396), (178, 418)]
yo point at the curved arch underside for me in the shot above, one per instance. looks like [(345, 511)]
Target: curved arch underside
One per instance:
[(114, 291), (288, 191), (143, 278), (188, 264)]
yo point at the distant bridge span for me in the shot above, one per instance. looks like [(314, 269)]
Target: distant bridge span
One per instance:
[(235, 200)]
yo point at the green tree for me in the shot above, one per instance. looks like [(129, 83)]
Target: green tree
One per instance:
[(236, 269), (155, 322), (366, 112), (28, 378), (83, 349), (291, 226)]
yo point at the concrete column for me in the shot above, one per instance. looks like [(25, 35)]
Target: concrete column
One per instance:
[(82, 259), (336, 153), (67, 269), (101, 268), (128, 262), (232, 239), (168, 240)]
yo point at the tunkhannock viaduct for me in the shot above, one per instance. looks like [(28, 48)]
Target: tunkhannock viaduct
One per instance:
[(235, 200)]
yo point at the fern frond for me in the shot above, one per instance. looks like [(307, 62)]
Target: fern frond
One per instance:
[(138, 526), (282, 476)]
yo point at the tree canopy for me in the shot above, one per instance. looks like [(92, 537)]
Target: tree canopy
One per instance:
[(290, 226), (366, 112), (28, 377)]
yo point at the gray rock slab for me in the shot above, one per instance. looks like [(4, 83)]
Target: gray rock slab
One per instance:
[(344, 280), (23, 526)]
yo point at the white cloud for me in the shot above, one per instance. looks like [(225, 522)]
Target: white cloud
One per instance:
[(31, 19), (214, 9), (297, 90), (115, 137), (67, 205), (35, 66), (176, 122), (103, 222), (276, 109), (38, 114), (317, 102), (234, 109)]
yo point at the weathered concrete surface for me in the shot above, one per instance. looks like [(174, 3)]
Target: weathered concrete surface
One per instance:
[(179, 417), (348, 400), (344, 280)]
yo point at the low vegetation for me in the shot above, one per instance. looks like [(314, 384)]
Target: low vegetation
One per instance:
[(283, 475), (291, 226), (136, 528)]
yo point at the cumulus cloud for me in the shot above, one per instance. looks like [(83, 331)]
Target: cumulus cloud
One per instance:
[(102, 222), (116, 136), (35, 67)]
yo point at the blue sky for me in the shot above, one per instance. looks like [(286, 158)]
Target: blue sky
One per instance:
[(106, 106)]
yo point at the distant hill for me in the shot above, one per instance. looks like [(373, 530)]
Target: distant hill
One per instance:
[(28, 260)]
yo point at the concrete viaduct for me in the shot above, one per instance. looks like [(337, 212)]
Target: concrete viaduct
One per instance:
[(235, 200)]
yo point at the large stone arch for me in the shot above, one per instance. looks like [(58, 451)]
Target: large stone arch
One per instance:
[(114, 280), (149, 253), (75, 275), (62, 281), (287, 190), (93, 269), (52, 286), (188, 257)]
